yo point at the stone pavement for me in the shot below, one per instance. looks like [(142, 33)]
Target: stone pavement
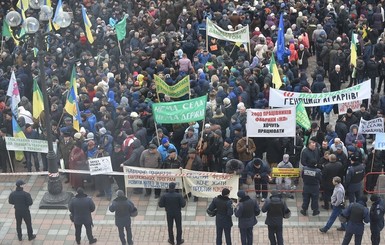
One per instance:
[(149, 227)]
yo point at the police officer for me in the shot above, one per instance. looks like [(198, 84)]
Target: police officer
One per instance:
[(311, 176), (376, 218), (357, 213), (354, 176), (21, 201)]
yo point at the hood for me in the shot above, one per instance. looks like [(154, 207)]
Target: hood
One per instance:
[(289, 31), (319, 78), (136, 143), (352, 127)]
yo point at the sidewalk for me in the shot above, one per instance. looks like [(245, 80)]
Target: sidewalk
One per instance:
[(149, 227)]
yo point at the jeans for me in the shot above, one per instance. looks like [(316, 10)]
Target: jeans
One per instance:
[(170, 224), (306, 200), (227, 231), (26, 216), (246, 235), (28, 158), (348, 236), (261, 184), (78, 232), (275, 234), (335, 213), (122, 235)]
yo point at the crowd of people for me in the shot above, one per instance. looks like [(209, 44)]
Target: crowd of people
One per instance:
[(115, 84)]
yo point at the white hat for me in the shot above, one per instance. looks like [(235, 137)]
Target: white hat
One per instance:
[(82, 130), (102, 131), (226, 101), (134, 114), (90, 136), (77, 136)]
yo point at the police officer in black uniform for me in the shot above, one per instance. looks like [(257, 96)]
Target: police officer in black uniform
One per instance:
[(311, 176), (21, 201), (376, 218), (354, 176)]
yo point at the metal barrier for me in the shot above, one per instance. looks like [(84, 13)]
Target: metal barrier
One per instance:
[(377, 186)]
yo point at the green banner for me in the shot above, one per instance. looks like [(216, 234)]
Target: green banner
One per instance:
[(180, 112), (175, 91), (302, 119)]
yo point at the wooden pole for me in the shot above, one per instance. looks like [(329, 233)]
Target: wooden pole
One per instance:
[(120, 49), (156, 133), (374, 153), (232, 49), (10, 162)]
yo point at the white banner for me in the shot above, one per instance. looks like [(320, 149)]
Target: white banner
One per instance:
[(238, 36), (373, 126), (207, 184), (152, 177), (354, 105), (280, 98), (32, 145), (379, 143), (100, 165), (271, 123)]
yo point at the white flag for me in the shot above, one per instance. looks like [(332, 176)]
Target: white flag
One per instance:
[(13, 92)]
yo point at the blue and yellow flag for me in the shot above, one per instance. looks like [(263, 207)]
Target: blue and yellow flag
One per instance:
[(87, 25), (17, 133), (72, 108)]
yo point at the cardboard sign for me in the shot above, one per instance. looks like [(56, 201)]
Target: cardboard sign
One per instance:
[(100, 165), (354, 105), (373, 126), (285, 172), (271, 123)]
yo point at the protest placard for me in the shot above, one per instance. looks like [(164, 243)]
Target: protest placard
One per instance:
[(32, 145), (354, 105), (280, 98), (238, 36), (285, 172), (379, 144), (204, 184), (373, 126), (181, 111), (175, 91), (100, 165), (151, 177), (271, 122)]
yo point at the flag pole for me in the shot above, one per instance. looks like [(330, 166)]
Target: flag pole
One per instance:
[(207, 38), (10, 162), (2, 43), (120, 49), (156, 132)]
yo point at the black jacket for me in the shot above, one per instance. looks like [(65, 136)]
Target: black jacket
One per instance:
[(81, 207), (124, 209), (172, 201), (275, 208), (246, 211), (223, 205), (329, 172), (20, 199)]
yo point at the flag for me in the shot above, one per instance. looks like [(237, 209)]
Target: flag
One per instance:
[(6, 31), (274, 71), (73, 81), (120, 29), (280, 41), (17, 133), (353, 50), (72, 108), (175, 91), (13, 92), (37, 100), (302, 119), (48, 3), (58, 11), (87, 25), (35, 50), (23, 5)]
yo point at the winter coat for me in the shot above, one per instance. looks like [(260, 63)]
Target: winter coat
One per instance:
[(124, 209), (134, 159), (275, 208), (246, 212), (172, 201), (377, 215), (243, 154), (263, 171), (20, 199), (356, 227), (350, 137), (331, 170), (223, 205), (81, 207), (150, 160)]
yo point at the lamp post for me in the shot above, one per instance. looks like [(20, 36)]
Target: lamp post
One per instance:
[(55, 198)]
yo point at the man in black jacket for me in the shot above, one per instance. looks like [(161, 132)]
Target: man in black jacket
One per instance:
[(81, 207), (223, 222), (173, 202), (124, 209), (276, 209), (117, 158), (245, 211), (332, 168), (21, 201)]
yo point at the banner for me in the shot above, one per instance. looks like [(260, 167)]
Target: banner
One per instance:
[(271, 123), (354, 105), (238, 36), (32, 145), (100, 165), (373, 126), (379, 143), (205, 184), (285, 172), (280, 98), (151, 177), (175, 91), (181, 111)]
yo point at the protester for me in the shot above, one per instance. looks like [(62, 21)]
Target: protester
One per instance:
[(22, 201)]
